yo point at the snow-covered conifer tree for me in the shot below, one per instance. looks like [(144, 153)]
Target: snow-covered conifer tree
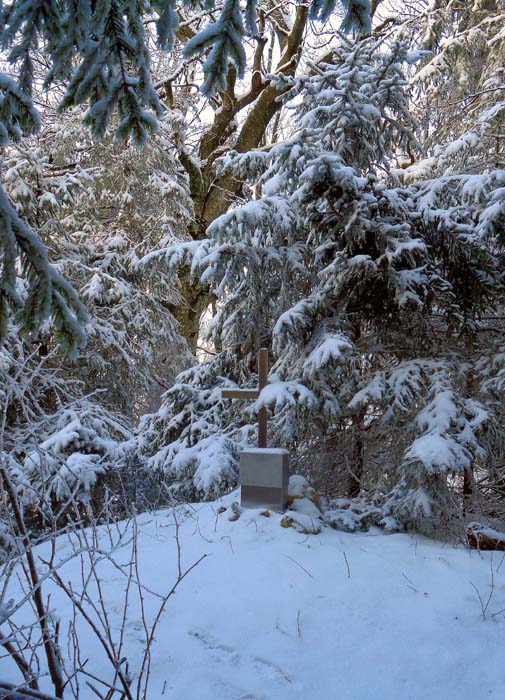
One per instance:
[(100, 208), (54, 442), (458, 84), (355, 281), (282, 266)]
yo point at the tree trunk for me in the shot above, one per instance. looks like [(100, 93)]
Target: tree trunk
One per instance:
[(468, 477), (212, 196), (197, 299), (357, 464), (467, 490)]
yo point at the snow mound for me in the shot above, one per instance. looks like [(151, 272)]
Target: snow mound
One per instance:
[(357, 515), (272, 614)]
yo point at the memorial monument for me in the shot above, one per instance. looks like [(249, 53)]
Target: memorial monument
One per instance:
[(264, 471)]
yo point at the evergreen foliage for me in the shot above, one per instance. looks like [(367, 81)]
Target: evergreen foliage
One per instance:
[(55, 441), (459, 83), (47, 296), (368, 286), (90, 201), (100, 52), (361, 242), (196, 433), (100, 49), (65, 426)]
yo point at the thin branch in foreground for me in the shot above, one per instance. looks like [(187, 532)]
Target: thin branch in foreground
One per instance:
[(16, 692)]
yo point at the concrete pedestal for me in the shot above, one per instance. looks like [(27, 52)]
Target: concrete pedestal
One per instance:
[(264, 476)]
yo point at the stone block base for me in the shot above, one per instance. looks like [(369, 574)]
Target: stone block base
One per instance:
[(264, 476)]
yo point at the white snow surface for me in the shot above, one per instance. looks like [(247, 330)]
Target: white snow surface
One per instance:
[(273, 614)]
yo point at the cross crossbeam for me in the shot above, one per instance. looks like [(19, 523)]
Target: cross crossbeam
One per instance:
[(254, 394)]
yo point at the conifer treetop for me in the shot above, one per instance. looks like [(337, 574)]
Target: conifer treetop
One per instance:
[(98, 50)]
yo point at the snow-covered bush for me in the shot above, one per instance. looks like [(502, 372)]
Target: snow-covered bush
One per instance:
[(195, 437), (74, 446), (54, 442), (357, 515)]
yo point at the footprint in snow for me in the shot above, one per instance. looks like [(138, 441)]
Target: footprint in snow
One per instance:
[(267, 667), (221, 652), (227, 691)]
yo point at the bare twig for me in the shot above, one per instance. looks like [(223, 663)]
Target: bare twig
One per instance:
[(17, 692), (347, 564), (49, 644), (298, 564)]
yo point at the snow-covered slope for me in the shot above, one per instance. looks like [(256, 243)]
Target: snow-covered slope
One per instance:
[(273, 614)]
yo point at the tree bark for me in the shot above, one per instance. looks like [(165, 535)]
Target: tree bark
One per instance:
[(468, 476), (467, 490), (357, 464), (212, 196), (197, 299)]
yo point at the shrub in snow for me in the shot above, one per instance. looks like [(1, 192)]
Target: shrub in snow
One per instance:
[(357, 514), (346, 514), (74, 446), (195, 438), (54, 443)]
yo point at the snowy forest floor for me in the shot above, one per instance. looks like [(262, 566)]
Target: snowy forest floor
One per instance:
[(273, 614)]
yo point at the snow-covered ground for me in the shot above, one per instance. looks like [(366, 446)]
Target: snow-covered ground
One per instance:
[(273, 614)]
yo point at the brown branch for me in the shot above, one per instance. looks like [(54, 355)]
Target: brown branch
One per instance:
[(267, 105), (223, 117), (159, 613), (257, 82), (19, 660), (14, 692), (194, 172), (110, 655), (278, 20), (36, 594)]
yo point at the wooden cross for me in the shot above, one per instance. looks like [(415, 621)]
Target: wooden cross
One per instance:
[(253, 394)]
